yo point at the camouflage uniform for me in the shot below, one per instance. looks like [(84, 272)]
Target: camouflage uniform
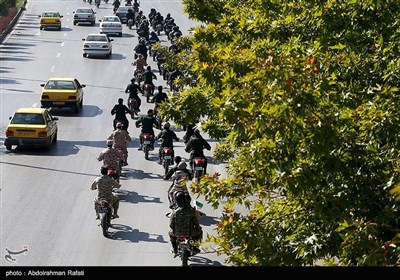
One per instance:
[(120, 138), (110, 157), (184, 221), (104, 185)]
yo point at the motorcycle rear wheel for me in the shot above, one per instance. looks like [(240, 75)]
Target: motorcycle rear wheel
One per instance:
[(104, 224), (185, 257)]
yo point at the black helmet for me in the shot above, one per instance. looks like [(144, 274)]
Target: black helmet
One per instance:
[(148, 68), (104, 170), (180, 199), (120, 100), (160, 88), (133, 80), (196, 132), (167, 125), (150, 112)]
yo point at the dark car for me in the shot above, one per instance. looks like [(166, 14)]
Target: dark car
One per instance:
[(121, 13)]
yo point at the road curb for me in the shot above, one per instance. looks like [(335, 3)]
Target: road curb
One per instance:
[(12, 23)]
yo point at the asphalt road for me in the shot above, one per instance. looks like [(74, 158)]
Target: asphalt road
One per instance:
[(46, 201)]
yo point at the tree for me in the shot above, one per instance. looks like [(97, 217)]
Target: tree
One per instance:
[(5, 5), (304, 98)]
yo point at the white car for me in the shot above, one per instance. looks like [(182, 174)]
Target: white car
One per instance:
[(97, 45), (84, 15), (111, 25)]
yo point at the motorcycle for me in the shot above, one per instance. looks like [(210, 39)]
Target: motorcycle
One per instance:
[(105, 211), (147, 89), (159, 28), (133, 106), (185, 248), (198, 167), (167, 155), (139, 75), (130, 23), (147, 144), (122, 162), (121, 121)]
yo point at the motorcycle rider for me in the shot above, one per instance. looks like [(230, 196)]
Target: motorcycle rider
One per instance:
[(130, 15), (120, 138), (147, 123), (195, 147), (171, 172), (111, 157), (148, 77), (172, 76), (133, 90), (136, 6), (180, 177), (140, 63), (104, 185), (141, 48), (159, 97), (189, 132), (175, 33), (184, 221), (116, 5), (120, 110), (167, 136)]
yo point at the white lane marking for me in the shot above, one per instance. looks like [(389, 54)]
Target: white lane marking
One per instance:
[(58, 55), (62, 44), (52, 69)]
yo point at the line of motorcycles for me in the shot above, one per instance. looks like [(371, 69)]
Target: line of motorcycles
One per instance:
[(186, 245)]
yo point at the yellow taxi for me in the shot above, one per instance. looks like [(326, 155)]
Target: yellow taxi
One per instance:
[(50, 19), (62, 92), (31, 127)]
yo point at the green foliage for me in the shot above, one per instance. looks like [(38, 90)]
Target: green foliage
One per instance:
[(304, 97), (6, 4)]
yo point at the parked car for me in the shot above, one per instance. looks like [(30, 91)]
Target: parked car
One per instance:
[(111, 25), (50, 19), (62, 92), (121, 12), (31, 127), (97, 45), (84, 15)]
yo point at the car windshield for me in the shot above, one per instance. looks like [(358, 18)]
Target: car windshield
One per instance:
[(50, 15), (111, 19), (96, 38), (27, 118), (60, 85), (84, 11)]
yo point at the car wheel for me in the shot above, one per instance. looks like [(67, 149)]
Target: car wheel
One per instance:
[(81, 103), (59, 28), (76, 109), (84, 54), (74, 22), (55, 137), (120, 34), (48, 145), (8, 147), (93, 23), (41, 27)]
